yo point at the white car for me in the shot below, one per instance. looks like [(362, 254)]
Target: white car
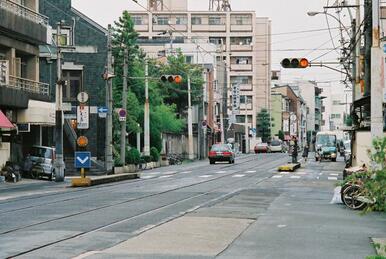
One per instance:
[(276, 146)]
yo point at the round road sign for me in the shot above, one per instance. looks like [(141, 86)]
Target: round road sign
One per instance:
[(82, 141), (122, 113), (82, 97)]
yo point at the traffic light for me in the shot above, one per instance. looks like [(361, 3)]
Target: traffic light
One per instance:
[(295, 63), (171, 79)]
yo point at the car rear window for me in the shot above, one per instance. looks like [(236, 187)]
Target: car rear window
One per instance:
[(275, 143), (218, 147), (41, 152)]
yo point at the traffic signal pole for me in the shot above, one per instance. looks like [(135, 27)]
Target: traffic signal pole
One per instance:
[(190, 123), (146, 147)]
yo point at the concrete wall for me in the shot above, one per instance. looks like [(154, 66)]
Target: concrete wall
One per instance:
[(5, 152), (276, 113)]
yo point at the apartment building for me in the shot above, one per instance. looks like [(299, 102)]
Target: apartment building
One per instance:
[(242, 39), (24, 101)]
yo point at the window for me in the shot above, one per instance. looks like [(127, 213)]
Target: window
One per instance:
[(242, 20), (244, 80), (196, 21), (181, 21), (335, 116), (137, 20), (215, 20), (243, 61), (217, 41), (189, 59), (65, 38), (74, 84), (162, 20), (241, 118), (248, 98), (336, 102)]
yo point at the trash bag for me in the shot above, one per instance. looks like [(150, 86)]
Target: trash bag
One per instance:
[(336, 199)]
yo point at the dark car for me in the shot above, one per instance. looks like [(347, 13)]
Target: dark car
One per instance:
[(221, 152)]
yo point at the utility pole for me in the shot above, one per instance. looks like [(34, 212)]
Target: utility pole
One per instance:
[(146, 147), (222, 98), (377, 81), (109, 104), (59, 161), (190, 123), (124, 106), (357, 49), (246, 126)]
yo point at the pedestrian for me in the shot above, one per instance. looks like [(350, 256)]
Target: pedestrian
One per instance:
[(294, 144), (305, 153)]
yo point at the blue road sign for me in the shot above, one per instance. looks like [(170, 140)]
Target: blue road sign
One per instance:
[(102, 109), (82, 159)]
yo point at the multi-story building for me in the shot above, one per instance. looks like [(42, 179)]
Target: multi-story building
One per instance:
[(243, 40), (84, 57), (23, 98)]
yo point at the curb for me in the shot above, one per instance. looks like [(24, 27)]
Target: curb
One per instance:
[(90, 181)]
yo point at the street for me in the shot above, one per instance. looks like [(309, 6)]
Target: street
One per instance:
[(196, 210)]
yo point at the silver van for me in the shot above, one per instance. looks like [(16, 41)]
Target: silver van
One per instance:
[(42, 162)]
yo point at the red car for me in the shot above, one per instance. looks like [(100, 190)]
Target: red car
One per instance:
[(221, 152), (261, 148)]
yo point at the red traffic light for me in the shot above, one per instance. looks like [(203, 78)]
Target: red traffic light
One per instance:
[(295, 63), (171, 79)]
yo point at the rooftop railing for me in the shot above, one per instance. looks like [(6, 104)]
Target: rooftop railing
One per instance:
[(24, 11)]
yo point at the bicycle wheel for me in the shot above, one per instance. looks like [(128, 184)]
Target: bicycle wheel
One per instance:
[(350, 197)]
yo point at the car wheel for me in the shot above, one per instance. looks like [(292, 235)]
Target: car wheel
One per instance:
[(333, 159), (211, 162)]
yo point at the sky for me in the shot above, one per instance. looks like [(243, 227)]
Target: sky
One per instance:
[(287, 17)]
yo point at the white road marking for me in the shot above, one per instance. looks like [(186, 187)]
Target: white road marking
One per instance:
[(239, 175), (221, 172), (334, 174), (320, 173), (301, 173), (170, 172), (186, 172), (165, 176), (295, 177), (284, 172), (281, 226), (318, 177), (332, 178), (277, 176), (154, 173), (206, 176), (250, 172), (147, 176)]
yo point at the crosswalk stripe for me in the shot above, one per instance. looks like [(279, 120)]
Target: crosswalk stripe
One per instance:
[(239, 175), (220, 172), (277, 176), (186, 172), (295, 177), (334, 174), (284, 172), (332, 178), (165, 176), (206, 176), (250, 172), (154, 173)]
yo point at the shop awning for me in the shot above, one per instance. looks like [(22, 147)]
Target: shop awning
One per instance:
[(38, 113), (4, 122)]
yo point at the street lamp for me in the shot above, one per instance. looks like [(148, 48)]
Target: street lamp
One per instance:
[(336, 19)]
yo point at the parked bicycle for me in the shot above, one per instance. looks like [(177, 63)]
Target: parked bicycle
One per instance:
[(174, 159)]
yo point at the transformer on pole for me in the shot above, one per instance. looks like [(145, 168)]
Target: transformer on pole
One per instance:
[(219, 5), (155, 5)]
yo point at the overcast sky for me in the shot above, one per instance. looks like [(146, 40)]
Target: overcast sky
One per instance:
[(286, 16)]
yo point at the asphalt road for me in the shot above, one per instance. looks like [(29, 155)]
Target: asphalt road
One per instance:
[(196, 210)]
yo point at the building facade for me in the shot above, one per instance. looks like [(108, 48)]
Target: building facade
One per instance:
[(24, 99), (84, 56)]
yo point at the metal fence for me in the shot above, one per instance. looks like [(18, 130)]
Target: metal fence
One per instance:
[(29, 85)]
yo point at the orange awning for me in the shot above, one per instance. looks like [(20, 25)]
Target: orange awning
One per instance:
[(4, 122)]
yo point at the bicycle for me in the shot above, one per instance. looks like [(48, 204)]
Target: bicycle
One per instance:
[(174, 159)]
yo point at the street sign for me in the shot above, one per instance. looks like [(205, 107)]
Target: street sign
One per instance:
[(82, 97), (82, 141), (83, 159), (122, 114), (235, 98), (102, 112), (82, 117), (253, 132), (66, 107), (293, 117)]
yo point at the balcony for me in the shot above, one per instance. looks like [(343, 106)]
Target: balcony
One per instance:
[(241, 47), (241, 28), (19, 21), (241, 67), (29, 86), (209, 27)]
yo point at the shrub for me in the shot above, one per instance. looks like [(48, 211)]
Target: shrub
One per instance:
[(146, 159), (154, 154), (133, 157)]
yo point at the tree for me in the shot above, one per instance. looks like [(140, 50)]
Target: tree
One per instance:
[(281, 135), (264, 124)]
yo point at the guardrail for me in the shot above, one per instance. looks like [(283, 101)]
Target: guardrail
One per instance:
[(29, 85), (24, 11)]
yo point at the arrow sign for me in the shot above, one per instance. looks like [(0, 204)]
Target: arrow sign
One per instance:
[(103, 110), (82, 159)]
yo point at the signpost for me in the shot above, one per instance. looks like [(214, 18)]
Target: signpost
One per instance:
[(82, 161), (82, 97), (82, 117), (122, 115), (102, 112)]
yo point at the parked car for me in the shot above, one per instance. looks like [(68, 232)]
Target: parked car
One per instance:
[(221, 152), (261, 148), (275, 146), (42, 159)]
